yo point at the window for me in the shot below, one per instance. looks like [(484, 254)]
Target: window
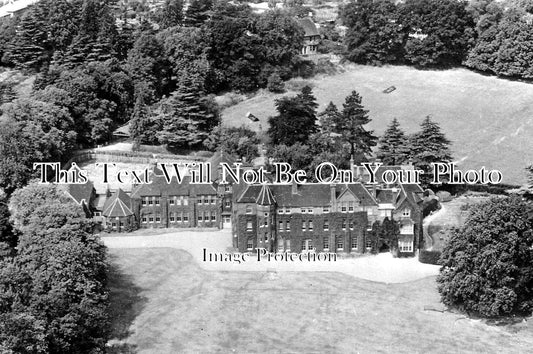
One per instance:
[(266, 238), (303, 226), (249, 226), (369, 225), (213, 217), (281, 226), (310, 225), (185, 201), (281, 211), (325, 243), (405, 246), (287, 210), (309, 210), (150, 201), (172, 218), (368, 243), (207, 216), (340, 244), (351, 225), (248, 209), (213, 199), (186, 217), (157, 200), (144, 220), (143, 202), (227, 188), (171, 201), (288, 245), (97, 213), (343, 207), (354, 243), (303, 210), (200, 217), (280, 245), (343, 224), (151, 219), (406, 212), (199, 200), (121, 224), (179, 200), (288, 227), (350, 206), (407, 229), (114, 225), (207, 199), (250, 244), (179, 217), (325, 210), (326, 225), (157, 217), (227, 203), (265, 223)]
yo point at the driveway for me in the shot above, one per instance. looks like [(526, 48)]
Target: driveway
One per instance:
[(380, 268)]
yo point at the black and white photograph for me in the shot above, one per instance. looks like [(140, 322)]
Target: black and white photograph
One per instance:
[(280, 176)]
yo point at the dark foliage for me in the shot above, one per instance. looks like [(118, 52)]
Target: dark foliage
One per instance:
[(487, 264)]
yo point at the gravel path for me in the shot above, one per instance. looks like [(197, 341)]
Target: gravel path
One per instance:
[(380, 268)]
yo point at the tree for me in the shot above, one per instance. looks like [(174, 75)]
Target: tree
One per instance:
[(350, 125), (240, 141), (429, 145), (487, 264), (374, 35), (198, 12), (58, 298), (393, 145), (32, 131), (440, 31), (8, 240), (187, 117), (296, 119), (170, 14)]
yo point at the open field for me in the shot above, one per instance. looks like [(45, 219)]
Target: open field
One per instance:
[(489, 120), (165, 303)]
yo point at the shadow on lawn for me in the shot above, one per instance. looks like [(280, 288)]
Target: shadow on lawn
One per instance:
[(126, 304)]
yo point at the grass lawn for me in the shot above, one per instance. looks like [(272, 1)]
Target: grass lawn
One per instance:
[(163, 302), (489, 120)]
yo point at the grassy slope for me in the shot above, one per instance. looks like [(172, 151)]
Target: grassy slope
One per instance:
[(489, 120), (165, 303)]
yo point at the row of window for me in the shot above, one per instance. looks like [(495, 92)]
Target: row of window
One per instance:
[(308, 245), (405, 246), (308, 225), (181, 200), (176, 217)]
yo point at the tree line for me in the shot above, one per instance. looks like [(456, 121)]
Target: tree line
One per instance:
[(486, 35), (303, 137)]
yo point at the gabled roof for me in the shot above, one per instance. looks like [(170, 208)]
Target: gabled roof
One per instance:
[(309, 27), (123, 131), (265, 196), (250, 194), (81, 193), (365, 197), (118, 205)]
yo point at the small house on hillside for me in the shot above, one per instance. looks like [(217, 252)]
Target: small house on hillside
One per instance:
[(311, 36)]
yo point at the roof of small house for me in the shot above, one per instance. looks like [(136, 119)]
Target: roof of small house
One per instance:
[(309, 27), (81, 193), (123, 131), (118, 205)]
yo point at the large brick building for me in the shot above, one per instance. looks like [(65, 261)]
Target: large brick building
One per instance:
[(332, 218)]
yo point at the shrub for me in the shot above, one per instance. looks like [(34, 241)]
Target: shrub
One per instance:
[(429, 257), (275, 83)]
